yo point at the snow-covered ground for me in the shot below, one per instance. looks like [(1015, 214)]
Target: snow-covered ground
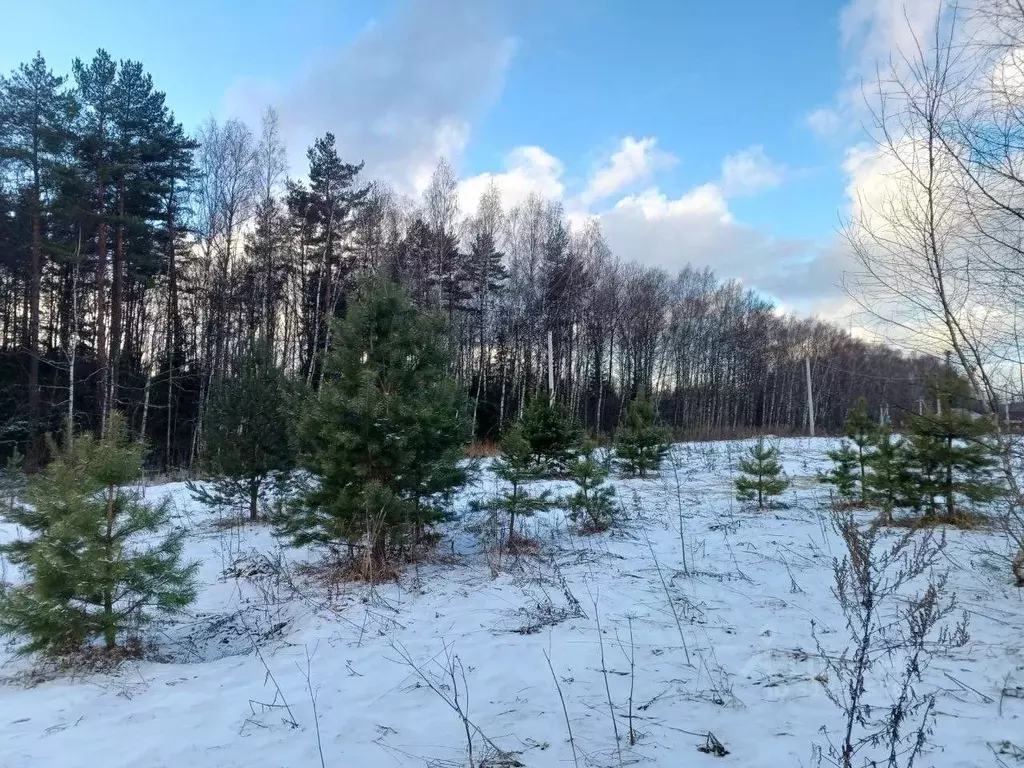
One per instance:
[(232, 687)]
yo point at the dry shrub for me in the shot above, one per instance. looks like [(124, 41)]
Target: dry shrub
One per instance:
[(591, 528), (518, 544), (328, 573)]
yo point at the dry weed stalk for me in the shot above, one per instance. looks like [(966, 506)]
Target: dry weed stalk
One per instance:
[(893, 636)]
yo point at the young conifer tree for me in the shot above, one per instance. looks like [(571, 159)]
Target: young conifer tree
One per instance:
[(552, 434), (889, 480), (246, 435), (384, 439), (949, 455), (640, 444), (518, 469), (863, 432), (592, 506), (97, 560), (843, 474), (761, 477)]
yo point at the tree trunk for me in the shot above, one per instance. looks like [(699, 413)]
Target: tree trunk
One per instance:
[(109, 630), (116, 299), (254, 499), (101, 306), (33, 309)]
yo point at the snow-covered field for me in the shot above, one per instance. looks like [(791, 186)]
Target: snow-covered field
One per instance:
[(232, 689)]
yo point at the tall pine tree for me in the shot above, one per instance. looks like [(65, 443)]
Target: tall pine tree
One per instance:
[(36, 113)]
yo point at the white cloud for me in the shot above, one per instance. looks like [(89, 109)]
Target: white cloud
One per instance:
[(871, 35), (635, 160), (400, 96), (750, 171), (528, 170), (653, 205), (824, 122), (696, 227)]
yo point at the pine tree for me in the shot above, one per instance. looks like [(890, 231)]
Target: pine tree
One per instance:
[(551, 433), (843, 474), (761, 476), (35, 116), (331, 201), (862, 430), (888, 480), (93, 567), (641, 445), (518, 469), (247, 441), (592, 506), (385, 436), (947, 449)]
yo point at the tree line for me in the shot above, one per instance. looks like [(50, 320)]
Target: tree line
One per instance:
[(141, 265)]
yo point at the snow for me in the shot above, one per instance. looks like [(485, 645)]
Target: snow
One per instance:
[(754, 582)]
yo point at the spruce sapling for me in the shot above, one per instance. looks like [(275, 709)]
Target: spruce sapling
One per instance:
[(12, 480), (761, 476), (93, 568)]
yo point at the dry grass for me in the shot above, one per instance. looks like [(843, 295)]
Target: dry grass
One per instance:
[(330, 573), (77, 663), (483, 449), (522, 545), (963, 519), (241, 520)]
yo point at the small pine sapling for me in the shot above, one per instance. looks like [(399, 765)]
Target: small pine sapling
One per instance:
[(843, 474), (761, 476), (552, 434), (246, 436), (96, 564), (518, 469), (592, 506), (888, 479), (948, 449), (640, 444), (863, 432)]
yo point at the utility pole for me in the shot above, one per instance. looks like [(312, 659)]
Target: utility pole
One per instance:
[(551, 369), (810, 395)]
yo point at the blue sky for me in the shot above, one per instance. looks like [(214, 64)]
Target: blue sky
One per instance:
[(403, 81)]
